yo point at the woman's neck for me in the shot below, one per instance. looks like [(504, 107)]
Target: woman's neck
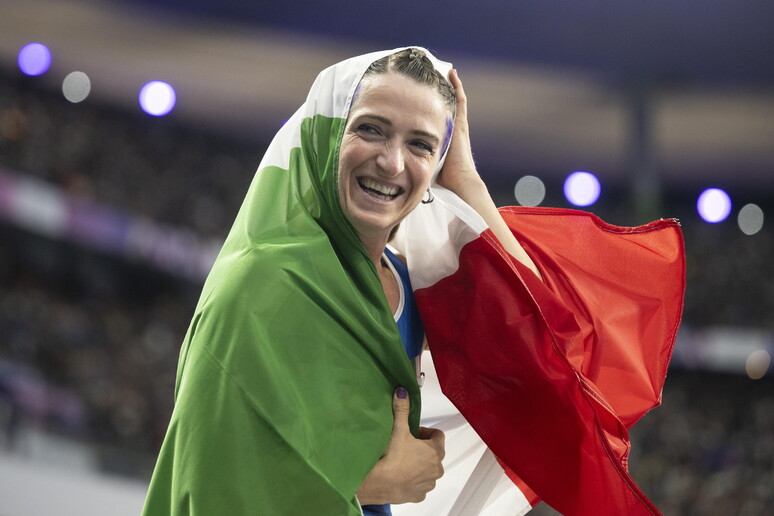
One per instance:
[(374, 246)]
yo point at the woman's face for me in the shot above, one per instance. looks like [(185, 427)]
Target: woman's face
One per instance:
[(390, 149)]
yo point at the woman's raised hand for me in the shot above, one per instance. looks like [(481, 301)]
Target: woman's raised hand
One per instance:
[(410, 467), (459, 172), (459, 175)]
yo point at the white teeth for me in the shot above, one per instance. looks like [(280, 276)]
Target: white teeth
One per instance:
[(378, 187)]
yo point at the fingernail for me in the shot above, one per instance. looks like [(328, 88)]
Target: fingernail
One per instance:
[(401, 393)]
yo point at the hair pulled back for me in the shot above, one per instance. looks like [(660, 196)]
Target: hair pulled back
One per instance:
[(414, 63)]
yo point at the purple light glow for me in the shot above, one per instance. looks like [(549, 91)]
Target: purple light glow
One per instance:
[(34, 59), (713, 205), (157, 98), (582, 188)]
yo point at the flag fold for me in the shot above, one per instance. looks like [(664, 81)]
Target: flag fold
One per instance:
[(552, 373)]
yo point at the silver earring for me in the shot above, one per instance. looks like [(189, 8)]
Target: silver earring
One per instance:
[(430, 197)]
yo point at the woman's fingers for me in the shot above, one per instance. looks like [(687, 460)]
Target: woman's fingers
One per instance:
[(400, 408), (459, 171), (462, 99)]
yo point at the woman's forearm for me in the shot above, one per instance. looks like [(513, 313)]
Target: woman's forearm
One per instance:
[(475, 194), (459, 175)]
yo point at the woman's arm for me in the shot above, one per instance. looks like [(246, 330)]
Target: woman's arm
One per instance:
[(459, 175)]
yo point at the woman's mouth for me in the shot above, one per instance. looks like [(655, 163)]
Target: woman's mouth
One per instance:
[(378, 190)]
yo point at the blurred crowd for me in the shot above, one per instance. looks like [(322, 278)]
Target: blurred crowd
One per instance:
[(88, 343), (154, 168), (709, 449), (729, 276), (88, 349)]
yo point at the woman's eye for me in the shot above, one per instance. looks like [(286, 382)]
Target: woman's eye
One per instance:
[(367, 128), (423, 146)]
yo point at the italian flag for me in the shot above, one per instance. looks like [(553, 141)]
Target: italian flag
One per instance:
[(283, 397)]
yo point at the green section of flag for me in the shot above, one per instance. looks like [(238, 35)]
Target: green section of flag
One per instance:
[(283, 400)]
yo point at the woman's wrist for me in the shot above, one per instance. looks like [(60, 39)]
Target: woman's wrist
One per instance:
[(468, 189), (376, 488)]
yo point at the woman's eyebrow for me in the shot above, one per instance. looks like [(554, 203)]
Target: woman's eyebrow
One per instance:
[(418, 132)]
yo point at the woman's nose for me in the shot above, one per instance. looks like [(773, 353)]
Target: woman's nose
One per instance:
[(390, 159)]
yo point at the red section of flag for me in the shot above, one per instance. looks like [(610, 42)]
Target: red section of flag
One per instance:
[(552, 374), (528, 493)]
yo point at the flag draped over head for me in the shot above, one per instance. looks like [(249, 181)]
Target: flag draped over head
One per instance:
[(283, 399)]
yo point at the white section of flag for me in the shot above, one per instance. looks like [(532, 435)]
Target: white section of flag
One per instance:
[(474, 483)]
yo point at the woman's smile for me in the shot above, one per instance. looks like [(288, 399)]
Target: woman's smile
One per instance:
[(378, 190)]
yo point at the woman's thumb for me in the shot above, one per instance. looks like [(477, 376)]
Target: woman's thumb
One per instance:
[(400, 410)]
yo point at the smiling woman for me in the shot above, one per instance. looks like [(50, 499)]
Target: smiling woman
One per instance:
[(298, 385), (257, 393), (277, 417)]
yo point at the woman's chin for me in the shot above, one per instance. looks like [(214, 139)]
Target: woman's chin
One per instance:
[(372, 226)]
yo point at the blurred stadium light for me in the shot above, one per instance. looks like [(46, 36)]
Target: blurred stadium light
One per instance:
[(713, 205), (157, 98), (529, 191), (34, 59), (582, 188)]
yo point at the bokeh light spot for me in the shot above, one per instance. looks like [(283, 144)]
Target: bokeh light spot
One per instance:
[(750, 219), (758, 364), (582, 188), (76, 87), (34, 59), (529, 191), (157, 98), (713, 205)]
